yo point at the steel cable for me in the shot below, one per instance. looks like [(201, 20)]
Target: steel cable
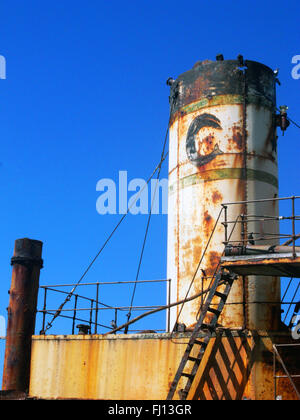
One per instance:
[(146, 231), (158, 167)]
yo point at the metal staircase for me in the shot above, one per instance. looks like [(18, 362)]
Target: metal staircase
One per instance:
[(207, 323)]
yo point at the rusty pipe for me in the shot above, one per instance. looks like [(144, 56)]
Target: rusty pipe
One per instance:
[(258, 249), (26, 263)]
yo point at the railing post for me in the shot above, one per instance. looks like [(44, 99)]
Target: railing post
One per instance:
[(74, 314), (44, 311), (169, 302), (243, 232), (293, 227), (225, 224), (91, 315), (96, 312), (274, 375), (116, 318)]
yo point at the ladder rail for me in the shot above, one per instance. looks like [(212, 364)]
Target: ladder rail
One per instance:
[(208, 336), (219, 280)]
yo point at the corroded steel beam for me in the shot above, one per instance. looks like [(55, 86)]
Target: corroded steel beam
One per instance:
[(26, 263)]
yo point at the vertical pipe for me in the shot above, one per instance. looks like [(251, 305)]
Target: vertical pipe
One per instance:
[(26, 263)]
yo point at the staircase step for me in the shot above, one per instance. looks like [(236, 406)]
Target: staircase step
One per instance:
[(214, 311), (221, 295)]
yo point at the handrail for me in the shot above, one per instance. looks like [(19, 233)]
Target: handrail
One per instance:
[(277, 356), (247, 219), (95, 305)]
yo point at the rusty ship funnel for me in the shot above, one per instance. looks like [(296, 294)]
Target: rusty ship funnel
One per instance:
[(222, 149)]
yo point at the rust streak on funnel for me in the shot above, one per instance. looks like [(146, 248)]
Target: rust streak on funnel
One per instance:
[(26, 263)]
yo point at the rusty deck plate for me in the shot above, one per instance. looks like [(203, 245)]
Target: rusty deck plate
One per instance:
[(283, 265)]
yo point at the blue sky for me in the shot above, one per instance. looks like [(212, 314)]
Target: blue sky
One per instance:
[(85, 97)]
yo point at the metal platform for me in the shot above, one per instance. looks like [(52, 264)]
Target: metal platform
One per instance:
[(276, 264)]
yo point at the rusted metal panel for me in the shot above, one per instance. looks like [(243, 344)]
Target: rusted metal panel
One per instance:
[(225, 373), (206, 81), (222, 149), (236, 365), (26, 263), (240, 366), (117, 367)]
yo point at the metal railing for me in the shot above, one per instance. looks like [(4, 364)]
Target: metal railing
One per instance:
[(279, 358), (241, 221), (246, 220), (93, 307), (244, 238)]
